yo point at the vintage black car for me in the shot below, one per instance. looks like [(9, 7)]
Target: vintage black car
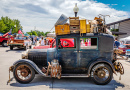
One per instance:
[(91, 56)]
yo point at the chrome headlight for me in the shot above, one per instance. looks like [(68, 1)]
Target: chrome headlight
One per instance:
[(11, 41), (25, 55)]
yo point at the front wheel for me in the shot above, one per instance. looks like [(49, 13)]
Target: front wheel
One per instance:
[(30, 47), (4, 43), (101, 74), (25, 47), (23, 73)]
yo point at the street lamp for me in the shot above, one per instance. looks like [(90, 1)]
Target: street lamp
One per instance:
[(75, 9)]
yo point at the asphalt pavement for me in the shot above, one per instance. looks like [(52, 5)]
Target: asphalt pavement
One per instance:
[(8, 57)]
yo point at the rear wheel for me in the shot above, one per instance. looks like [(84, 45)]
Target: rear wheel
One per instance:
[(11, 47), (4, 43), (24, 73), (101, 74)]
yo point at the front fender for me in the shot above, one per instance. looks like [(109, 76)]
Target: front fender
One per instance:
[(101, 60), (32, 64)]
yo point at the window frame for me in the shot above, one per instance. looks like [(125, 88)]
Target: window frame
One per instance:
[(87, 49), (68, 48)]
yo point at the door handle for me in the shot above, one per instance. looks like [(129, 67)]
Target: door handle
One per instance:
[(80, 51), (77, 51)]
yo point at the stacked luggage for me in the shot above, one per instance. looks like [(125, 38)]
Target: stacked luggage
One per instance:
[(81, 26)]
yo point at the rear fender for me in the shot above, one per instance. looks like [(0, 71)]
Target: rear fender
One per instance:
[(101, 60), (32, 64)]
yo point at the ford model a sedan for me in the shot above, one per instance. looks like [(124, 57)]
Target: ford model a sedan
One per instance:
[(91, 56)]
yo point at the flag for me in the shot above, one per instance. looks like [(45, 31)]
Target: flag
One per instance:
[(20, 32), (8, 33)]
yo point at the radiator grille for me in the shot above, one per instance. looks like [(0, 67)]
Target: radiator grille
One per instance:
[(39, 60)]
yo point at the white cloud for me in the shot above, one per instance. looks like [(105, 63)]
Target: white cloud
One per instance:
[(44, 13)]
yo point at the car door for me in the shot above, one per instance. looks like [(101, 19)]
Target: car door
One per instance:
[(67, 53), (88, 50)]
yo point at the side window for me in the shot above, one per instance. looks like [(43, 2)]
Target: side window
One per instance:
[(66, 43), (88, 43)]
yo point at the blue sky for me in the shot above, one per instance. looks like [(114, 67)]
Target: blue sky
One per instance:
[(123, 5), (43, 14)]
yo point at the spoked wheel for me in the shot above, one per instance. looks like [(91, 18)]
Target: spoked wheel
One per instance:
[(24, 73), (101, 74), (4, 44)]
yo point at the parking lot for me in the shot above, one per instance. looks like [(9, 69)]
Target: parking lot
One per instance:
[(8, 57)]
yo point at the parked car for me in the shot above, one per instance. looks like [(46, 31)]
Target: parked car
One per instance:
[(93, 60), (20, 42), (124, 48), (4, 39), (127, 52), (125, 44)]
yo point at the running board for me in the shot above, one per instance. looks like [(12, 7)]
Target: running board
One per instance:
[(72, 75)]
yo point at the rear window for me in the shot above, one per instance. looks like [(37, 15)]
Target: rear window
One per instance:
[(88, 43)]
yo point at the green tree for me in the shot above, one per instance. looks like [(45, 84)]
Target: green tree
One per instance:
[(46, 33), (6, 24), (2, 27)]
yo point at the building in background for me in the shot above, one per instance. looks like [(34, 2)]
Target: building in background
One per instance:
[(122, 28)]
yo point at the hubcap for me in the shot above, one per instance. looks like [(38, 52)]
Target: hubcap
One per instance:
[(23, 72), (5, 44), (101, 74)]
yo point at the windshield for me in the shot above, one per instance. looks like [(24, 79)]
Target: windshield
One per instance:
[(1, 34), (127, 42), (122, 46), (54, 44)]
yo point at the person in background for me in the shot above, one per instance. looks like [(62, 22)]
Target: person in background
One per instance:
[(116, 43), (86, 43), (45, 41), (42, 42), (35, 41)]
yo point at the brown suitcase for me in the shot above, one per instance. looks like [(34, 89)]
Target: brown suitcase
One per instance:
[(62, 29)]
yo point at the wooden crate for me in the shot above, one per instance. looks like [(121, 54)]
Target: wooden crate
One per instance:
[(62, 29), (74, 20), (74, 29), (83, 26)]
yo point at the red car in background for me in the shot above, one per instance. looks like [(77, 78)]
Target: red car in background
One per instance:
[(124, 47), (64, 42)]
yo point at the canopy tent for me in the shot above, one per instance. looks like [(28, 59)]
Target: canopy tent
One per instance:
[(51, 35), (126, 38)]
